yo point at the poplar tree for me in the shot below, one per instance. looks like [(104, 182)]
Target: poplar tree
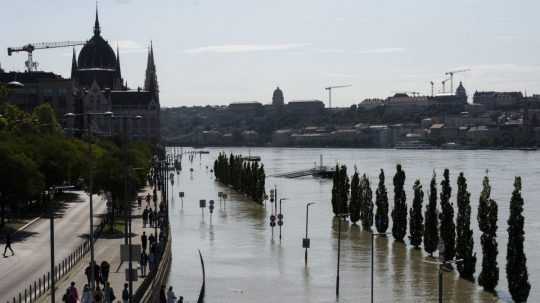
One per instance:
[(354, 207), (465, 241), (431, 228), (487, 221), (516, 261), (344, 191), (336, 190), (381, 199), (448, 228), (399, 213), (416, 222), (366, 204)]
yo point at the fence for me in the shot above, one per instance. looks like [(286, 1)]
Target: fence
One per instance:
[(42, 285)]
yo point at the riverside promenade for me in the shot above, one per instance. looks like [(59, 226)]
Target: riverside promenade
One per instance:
[(108, 249)]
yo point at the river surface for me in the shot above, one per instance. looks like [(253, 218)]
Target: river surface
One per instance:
[(244, 263)]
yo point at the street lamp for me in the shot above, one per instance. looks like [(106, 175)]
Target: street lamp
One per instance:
[(90, 187), (340, 218), (305, 241), (441, 265), (373, 235), (280, 217)]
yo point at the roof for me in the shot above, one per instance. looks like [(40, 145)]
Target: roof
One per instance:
[(130, 98), (27, 77)]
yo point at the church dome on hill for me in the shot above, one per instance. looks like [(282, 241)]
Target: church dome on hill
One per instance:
[(460, 91), (97, 53), (277, 97)]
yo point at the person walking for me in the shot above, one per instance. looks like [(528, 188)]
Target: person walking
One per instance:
[(144, 241), (97, 273), (8, 245), (151, 261), (98, 295), (144, 262), (87, 273), (145, 217), (151, 217), (181, 299), (148, 197), (171, 296), (73, 294), (139, 202), (105, 267), (162, 296), (65, 297), (109, 293), (86, 295), (125, 294)]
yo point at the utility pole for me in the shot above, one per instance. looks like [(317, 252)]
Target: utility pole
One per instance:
[(305, 241), (53, 273)]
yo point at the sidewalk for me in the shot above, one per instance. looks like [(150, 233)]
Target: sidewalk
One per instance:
[(108, 249)]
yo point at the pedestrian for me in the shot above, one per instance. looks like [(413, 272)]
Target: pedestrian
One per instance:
[(144, 241), (109, 293), (8, 245), (151, 239), (162, 297), (148, 197), (171, 296), (125, 294), (151, 261), (87, 273), (86, 295), (139, 202), (105, 267), (145, 217), (151, 217), (65, 297), (144, 262), (73, 296), (97, 272), (181, 299), (98, 295)]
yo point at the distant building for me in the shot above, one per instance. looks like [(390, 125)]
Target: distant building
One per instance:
[(372, 103), (498, 100), (278, 101), (305, 107), (249, 107), (405, 104)]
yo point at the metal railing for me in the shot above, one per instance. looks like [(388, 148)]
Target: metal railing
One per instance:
[(42, 285)]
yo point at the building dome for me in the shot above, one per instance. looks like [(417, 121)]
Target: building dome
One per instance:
[(97, 53), (277, 97), (460, 91)]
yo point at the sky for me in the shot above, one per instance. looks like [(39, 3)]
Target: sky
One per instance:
[(216, 51)]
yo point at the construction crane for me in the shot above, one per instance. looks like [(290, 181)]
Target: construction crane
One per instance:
[(31, 65), (330, 88), (451, 74), (443, 82)]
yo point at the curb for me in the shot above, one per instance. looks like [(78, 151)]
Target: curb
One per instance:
[(27, 224)]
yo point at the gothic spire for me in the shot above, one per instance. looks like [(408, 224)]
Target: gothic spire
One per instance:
[(73, 65), (118, 71), (97, 29), (151, 82)]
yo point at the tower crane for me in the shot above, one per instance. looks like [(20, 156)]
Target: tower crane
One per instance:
[(330, 88), (451, 74), (443, 82), (31, 65)]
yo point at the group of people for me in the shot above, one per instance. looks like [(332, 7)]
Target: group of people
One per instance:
[(169, 296), (150, 217), (101, 272), (99, 295), (148, 259)]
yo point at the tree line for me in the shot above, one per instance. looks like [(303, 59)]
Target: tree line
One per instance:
[(243, 176), (36, 156), (435, 227)]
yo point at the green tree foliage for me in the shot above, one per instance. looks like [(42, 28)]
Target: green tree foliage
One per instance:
[(45, 118), (416, 222), (366, 203), (448, 228), (431, 227), (399, 213), (354, 206), (244, 176), (335, 191), (487, 222), (465, 241), (516, 261), (344, 189), (381, 199)]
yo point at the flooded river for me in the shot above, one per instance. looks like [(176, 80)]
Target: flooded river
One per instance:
[(245, 264)]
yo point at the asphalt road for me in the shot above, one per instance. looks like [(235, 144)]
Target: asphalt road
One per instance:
[(32, 254)]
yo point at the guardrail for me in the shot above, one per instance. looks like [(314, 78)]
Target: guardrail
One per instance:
[(42, 285)]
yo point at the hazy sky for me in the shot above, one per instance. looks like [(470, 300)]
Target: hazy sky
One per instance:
[(220, 51)]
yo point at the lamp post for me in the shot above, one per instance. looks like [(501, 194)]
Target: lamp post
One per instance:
[(280, 217), (305, 241), (51, 215), (440, 273), (90, 187), (373, 235), (340, 218)]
